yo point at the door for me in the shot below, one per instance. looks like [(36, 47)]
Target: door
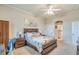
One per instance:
[(75, 32), (1, 32), (5, 32)]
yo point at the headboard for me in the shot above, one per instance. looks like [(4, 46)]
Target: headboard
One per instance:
[(30, 30)]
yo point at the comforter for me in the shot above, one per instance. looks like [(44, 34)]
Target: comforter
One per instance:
[(39, 41)]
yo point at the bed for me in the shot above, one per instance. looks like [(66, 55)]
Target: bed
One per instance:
[(41, 43)]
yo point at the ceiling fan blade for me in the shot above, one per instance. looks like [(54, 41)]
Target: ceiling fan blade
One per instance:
[(56, 9), (49, 13)]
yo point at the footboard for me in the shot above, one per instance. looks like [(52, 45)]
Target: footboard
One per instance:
[(49, 43), (49, 48)]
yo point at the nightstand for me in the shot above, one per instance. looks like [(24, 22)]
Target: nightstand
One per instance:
[(19, 43), (78, 50)]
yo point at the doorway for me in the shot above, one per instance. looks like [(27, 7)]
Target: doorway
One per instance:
[(59, 30)]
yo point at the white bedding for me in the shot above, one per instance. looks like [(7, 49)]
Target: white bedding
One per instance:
[(38, 41)]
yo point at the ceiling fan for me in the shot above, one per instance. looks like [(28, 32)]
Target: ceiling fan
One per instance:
[(50, 10)]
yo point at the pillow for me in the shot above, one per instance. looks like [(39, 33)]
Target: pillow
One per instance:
[(28, 35), (32, 34), (36, 35)]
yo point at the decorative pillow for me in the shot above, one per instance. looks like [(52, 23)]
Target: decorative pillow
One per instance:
[(28, 35), (36, 35)]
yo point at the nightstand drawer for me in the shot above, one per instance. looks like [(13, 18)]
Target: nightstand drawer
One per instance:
[(19, 42), (19, 45)]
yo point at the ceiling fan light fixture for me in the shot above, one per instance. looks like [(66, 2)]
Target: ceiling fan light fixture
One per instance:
[(49, 13)]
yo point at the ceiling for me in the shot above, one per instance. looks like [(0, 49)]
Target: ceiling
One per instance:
[(37, 9)]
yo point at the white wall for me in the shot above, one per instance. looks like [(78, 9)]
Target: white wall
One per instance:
[(68, 19), (17, 19), (67, 24), (67, 31), (50, 27)]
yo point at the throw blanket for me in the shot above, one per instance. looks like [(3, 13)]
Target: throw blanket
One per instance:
[(11, 44)]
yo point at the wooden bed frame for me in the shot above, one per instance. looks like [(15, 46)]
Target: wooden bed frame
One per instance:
[(46, 47)]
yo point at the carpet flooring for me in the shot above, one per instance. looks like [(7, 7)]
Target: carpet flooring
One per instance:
[(62, 49)]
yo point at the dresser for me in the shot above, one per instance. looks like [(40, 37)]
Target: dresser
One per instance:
[(19, 43)]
